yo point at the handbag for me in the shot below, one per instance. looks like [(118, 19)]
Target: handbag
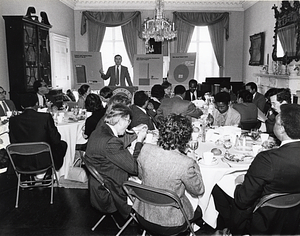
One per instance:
[(76, 172)]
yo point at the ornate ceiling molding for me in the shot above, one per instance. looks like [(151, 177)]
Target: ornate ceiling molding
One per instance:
[(174, 5)]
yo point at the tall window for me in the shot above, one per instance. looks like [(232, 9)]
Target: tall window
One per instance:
[(206, 62), (112, 45)]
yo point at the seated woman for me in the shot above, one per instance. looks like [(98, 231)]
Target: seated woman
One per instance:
[(166, 166), (168, 89), (83, 92), (223, 114), (93, 104)]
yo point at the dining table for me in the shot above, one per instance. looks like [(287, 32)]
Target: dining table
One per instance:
[(223, 170)]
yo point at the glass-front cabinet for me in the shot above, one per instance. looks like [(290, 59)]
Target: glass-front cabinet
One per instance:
[(28, 53)]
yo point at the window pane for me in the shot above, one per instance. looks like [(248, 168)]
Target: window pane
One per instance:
[(206, 63)]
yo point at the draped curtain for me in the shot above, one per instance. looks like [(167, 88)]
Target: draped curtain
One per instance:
[(130, 23), (217, 23), (288, 38)]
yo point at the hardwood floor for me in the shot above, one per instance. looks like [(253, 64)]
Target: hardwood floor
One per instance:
[(70, 214)]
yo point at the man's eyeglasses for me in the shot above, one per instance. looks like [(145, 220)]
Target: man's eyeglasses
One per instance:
[(3, 92)]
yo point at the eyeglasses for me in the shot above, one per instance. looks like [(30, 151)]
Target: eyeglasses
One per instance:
[(3, 92), (128, 120)]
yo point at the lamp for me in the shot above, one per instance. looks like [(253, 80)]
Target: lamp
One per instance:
[(159, 28)]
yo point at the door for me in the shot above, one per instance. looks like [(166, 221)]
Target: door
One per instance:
[(60, 61)]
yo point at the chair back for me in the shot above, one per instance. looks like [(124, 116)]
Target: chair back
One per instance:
[(94, 172), (248, 125), (155, 196), (279, 200), (23, 155)]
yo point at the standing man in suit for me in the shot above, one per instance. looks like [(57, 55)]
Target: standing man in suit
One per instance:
[(41, 89), (177, 105), (5, 105), (273, 171), (107, 151), (258, 99), (193, 93), (33, 126), (117, 74)]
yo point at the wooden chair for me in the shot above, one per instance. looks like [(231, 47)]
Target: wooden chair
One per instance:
[(101, 180), (157, 197), (22, 153)]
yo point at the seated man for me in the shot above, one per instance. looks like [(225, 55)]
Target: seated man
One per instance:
[(33, 126), (166, 166), (193, 93), (226, 87), (41, 89), (139, 113), (5, 105), (273, 171), (245, 107), (223, 114), (177, 105), (282, 96), (258, 99), (107, 151)]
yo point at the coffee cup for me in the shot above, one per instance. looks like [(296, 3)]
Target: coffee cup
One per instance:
[(208, 157), (60, 119)]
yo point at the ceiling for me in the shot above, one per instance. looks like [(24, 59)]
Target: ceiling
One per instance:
[(175, 5)]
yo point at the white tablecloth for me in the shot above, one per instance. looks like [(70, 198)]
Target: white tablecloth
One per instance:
[(72, 134)]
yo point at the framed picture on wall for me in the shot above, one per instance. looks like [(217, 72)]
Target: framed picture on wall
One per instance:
[(257, 43)]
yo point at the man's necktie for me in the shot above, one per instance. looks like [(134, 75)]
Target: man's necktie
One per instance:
[(44, 101), (5, 107), (118, 76), (193, 97)]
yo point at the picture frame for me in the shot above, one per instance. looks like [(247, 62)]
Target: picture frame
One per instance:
[(257, 43)]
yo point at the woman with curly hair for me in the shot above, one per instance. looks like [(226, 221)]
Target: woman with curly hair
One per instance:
[(166, 166)]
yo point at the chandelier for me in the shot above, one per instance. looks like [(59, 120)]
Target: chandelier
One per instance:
[(159, 28)]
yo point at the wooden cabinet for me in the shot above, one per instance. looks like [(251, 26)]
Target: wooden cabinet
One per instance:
[(28, 53)]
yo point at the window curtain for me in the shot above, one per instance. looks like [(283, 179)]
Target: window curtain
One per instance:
[(130, 23), (288, 38), (217, 23)]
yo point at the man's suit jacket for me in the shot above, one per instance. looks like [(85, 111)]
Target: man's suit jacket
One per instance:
[(10, 105), (33, 126), (139, 117), (273, 171), (114, 162), (170, 170), (111, 73), (178, 106), (260, 101), (199, 94)]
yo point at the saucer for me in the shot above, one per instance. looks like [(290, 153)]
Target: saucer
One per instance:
[(214, 162)]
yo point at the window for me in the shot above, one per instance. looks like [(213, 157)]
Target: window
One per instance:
[(206, 62), (112, 45)]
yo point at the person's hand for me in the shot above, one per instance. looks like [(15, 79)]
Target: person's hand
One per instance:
[(141, 131), (239, 179), (101, 71)]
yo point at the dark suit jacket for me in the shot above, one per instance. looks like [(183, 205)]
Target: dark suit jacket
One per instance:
[(178, 106), (139, 117), (260, 101), (33, 126), (11, 106), (272, 171), (114, 162), (112, 75), (199, 93)]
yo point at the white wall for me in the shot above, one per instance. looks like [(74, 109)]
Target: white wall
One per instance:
[(258, 18), (60, 17)]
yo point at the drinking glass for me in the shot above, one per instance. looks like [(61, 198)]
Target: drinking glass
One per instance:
[(193, 146), (227, 144)]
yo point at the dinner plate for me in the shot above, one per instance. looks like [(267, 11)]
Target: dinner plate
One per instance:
[(214, 162)]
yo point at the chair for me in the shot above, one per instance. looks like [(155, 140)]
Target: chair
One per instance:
[(279, 200), (101, 180), (248, 125), (22, 153), (155, 196)]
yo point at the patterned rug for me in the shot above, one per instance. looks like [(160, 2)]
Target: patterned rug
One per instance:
[(65, 183)]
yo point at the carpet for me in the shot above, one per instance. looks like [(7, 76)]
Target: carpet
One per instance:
[(65, 183)]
